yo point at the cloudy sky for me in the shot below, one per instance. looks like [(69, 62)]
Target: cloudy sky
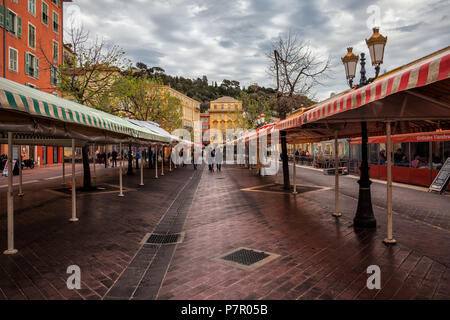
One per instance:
[(229, 39)]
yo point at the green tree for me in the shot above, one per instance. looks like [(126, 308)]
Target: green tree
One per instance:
[(254, 106), (88, 76), (146, 99)]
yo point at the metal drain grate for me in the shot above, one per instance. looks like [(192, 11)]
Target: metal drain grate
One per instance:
[(155, 238), (246, 258)]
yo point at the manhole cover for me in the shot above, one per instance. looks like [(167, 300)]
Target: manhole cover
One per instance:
[(155, 238), (279, 188), (246, 258), (104, 188)]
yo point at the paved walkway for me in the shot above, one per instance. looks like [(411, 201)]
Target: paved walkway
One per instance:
[(318, 256), (102, 243)]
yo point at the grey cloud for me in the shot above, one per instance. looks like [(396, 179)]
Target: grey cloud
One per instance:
[(229, 39), (409, 28)]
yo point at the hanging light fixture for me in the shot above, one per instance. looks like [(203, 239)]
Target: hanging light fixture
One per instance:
[(376, 44), (350, 60)]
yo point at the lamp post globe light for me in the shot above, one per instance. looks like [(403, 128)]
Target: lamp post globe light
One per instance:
[(364, 217)]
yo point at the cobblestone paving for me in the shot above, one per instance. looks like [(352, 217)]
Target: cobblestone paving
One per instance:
[(102, 243), (321, 257)]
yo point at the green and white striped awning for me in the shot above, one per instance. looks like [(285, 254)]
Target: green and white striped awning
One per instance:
[(17, 97)]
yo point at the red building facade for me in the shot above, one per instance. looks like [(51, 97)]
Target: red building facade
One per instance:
[(31, 37)]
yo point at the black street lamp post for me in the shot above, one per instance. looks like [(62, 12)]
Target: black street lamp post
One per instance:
[(364, 217)]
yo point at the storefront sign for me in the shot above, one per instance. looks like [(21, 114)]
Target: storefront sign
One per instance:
[(416, 137), (441, 181)]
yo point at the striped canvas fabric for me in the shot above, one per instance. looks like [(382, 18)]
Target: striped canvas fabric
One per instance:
[(15, 96), (424, 72)]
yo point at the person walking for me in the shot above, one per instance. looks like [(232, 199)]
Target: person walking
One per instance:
[(104, 159), (219, 159), (213, 156), (181, 154), (194, 158), (114, 158), (138, 156), (207, 153)]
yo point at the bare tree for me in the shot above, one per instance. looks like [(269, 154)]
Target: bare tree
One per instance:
[(297, 69), (88, 75)]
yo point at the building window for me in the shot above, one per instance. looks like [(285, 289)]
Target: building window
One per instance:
[(57, 2), (44, 13), (215, 106), (53, 75), (13, 56), (31, 36), (55, 51), (13, 22), (31, 65), (32, 7), (55, 22), (222, 107)]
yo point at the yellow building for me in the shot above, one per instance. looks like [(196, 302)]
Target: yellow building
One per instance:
[(223, 114), (191, 108)]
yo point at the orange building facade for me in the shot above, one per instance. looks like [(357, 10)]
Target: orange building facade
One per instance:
[(31, 46)]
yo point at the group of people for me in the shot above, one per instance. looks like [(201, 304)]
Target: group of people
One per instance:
[(400, 159), (103, 157), (213, 157), (216, 157), (301, 153)]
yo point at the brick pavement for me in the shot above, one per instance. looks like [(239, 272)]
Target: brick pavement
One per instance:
[(102, 243), (321, 257)]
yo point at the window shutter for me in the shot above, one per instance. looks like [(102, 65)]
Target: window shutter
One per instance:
[(37, 68), (52, 75), (2, 16), (27, 63), (19, 27), (8, 21)]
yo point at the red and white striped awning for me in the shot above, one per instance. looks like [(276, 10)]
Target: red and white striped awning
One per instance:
[(431, 69)]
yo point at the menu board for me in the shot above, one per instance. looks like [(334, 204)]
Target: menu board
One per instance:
[(441, 181)]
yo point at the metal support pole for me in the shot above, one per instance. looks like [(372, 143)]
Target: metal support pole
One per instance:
[(389, 239), (142, 171), (170, 159), (336, 176), (364, 217), (120, 171), (294, 178), (74, 186), (93, 156), (10, 199), (156, 162), (20, 172), (162, 160), (63, 168), (174, 165)]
